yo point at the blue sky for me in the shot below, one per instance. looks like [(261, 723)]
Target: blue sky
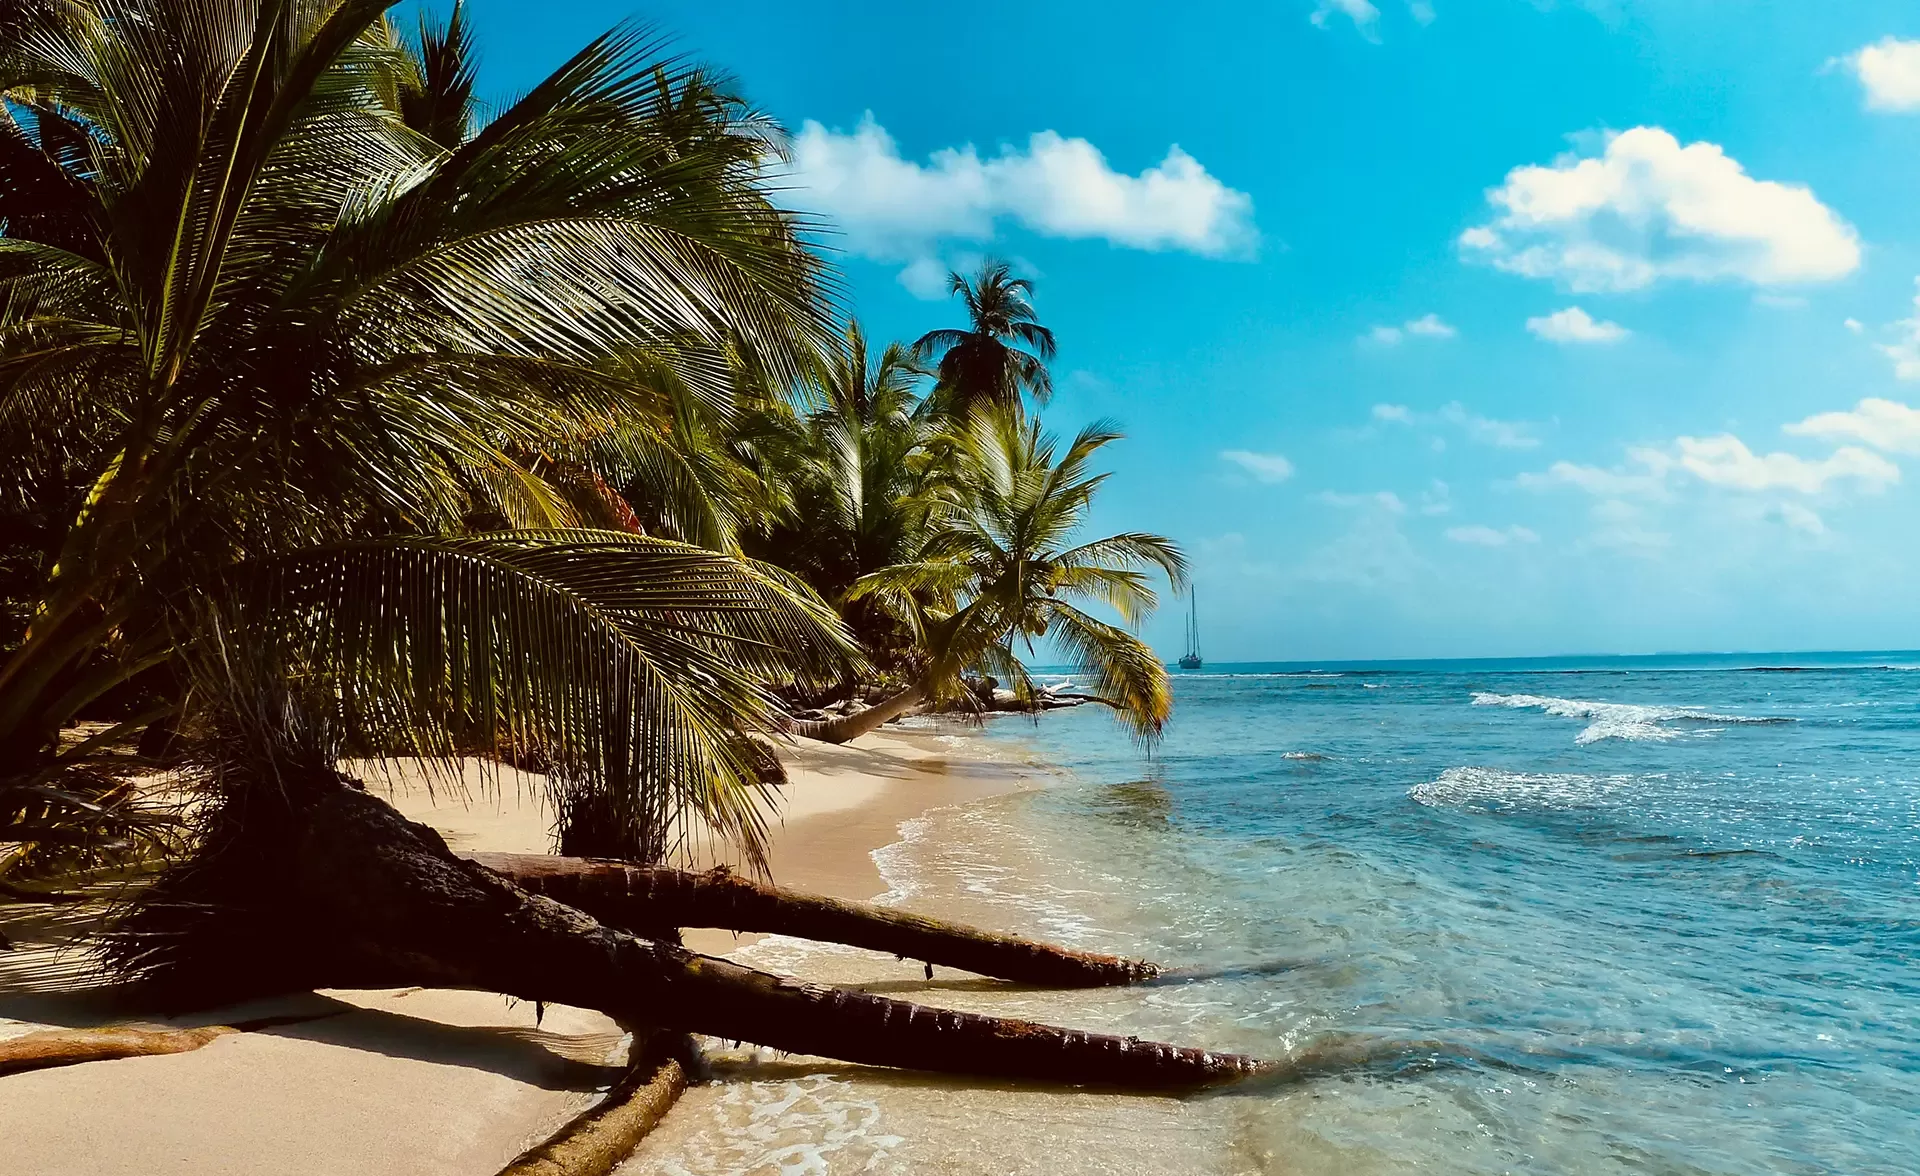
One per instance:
[(1456, 328)]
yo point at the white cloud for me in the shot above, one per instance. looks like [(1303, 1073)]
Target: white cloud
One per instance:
[(1619, 527), (1726, 461), (925, 278), (1362, 13), (1574, 325), (1799, 518), (1436, 499), (1427, 326), (1365, 15), (1904, 351), (1480, 535), (892, 208), (1487, 431), (1645, 472), (1385, 500), (1265, 467), (1883, 424), (1854, 325), (1648, 209), (1889, 71)]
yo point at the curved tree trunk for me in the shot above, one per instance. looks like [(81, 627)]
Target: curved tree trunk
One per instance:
[(71, 1047), (850, 727), (359, 897), (646, 900)]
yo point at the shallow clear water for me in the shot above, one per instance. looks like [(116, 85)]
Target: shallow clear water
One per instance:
[(1650, 917), (1644, 916)]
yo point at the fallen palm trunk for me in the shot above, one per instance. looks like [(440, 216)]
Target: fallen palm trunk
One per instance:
[(651, 900), (341, 891), (594, 1142), (846, 728), (71, 1047)]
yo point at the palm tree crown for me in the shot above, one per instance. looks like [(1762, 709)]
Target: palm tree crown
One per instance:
[(1000, 566), (1003, 352), (280, 326)]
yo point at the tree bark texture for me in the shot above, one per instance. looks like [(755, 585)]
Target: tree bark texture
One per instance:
[(594, 1142), (70, 1047), (359, 897), (847, 728), (646, 900)]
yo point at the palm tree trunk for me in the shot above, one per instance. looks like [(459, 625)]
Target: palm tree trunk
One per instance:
[(356, 896), (846, 728), (646, 900)]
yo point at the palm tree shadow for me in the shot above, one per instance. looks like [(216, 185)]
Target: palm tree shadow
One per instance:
[(547, 1061)]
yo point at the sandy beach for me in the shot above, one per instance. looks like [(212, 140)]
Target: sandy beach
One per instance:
[(417, 1081)]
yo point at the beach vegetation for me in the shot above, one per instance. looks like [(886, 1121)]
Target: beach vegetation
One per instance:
[(350, 421)]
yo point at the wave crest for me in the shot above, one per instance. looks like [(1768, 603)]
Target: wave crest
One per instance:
[(1622, 720)]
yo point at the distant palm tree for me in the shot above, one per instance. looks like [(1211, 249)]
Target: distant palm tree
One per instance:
[(999, 570), (1003, 352)]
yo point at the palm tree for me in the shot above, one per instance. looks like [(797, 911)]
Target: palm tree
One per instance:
[(267, 352), (276, 325), (999, 571), (1003, 352), (864, 482)]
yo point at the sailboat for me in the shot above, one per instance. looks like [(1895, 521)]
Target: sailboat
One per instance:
[(1191, 659)]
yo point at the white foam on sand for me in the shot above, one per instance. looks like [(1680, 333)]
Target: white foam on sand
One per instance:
[(1623, 720)]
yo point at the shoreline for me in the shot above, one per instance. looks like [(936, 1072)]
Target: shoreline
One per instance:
[(434, 1082)]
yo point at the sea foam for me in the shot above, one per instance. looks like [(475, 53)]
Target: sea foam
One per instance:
[(1496, 788), (1621, 720)]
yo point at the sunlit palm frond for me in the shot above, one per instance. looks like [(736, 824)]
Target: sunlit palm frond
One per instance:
[(635, 664)]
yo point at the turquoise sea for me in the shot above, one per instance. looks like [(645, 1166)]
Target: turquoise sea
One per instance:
[(1651, 915)]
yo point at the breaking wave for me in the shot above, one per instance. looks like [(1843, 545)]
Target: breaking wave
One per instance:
[(1624, 720)]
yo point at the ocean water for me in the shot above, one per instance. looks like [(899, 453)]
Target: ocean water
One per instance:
[(1637, 915)]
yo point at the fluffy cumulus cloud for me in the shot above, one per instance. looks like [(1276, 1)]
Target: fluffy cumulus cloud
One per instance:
[(1726, 462), (892, 208), (1648, 209), (1574, 325), (1427, 326), (1264, 467), (1884, 424), (1480, 535), (1889, 72)]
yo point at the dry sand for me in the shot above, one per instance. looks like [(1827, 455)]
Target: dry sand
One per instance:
[(420, 1082)]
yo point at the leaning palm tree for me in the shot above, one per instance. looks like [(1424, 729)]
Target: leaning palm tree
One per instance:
[(283, 371), (278, 324), (1003, 351), (998, 572)]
